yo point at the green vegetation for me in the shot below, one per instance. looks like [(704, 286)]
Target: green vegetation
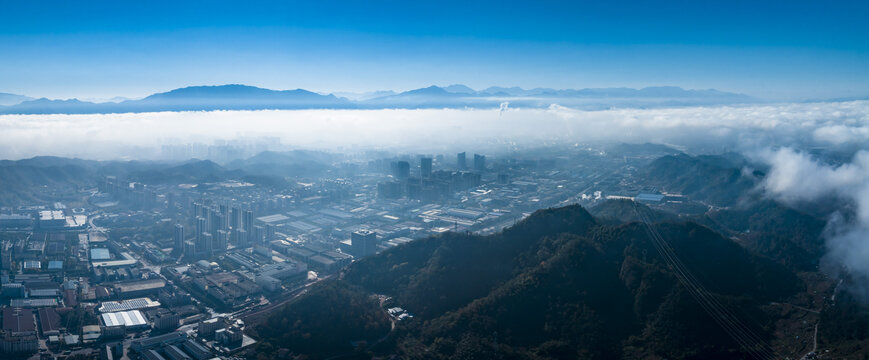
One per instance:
[(845, 327), (326, 322), (718, 180), (25, 183), (767, 228), (619, 211), (557, 285)]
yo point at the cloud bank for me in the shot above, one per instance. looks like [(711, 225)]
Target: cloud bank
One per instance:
[(796, 177), (793, 130), (842, 125)]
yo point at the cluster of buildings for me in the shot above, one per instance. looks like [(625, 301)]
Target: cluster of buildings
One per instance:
[(43, 218), (166, 271), (209, 283)]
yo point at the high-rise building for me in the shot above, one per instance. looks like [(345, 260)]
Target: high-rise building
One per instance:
[(389, 190), (221, 241), (217, 222), (197, 209), (201, 226), (224, 210), (179, 239), (189, 248), (270, 232), (461, 161), (207, 245), (425, 167), (239, 238), (259, 235), (235, 218), (363, 243), (201, 230), (247, 224), (479, 162), (401, 169)]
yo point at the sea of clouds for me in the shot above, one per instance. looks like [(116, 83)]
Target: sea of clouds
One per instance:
[(842, 125), (781, 135)]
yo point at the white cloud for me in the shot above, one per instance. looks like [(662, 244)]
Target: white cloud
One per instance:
[(794, 176), (711, 128)]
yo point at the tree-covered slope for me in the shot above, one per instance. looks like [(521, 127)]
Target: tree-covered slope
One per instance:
[(561, 285), (718, 180)]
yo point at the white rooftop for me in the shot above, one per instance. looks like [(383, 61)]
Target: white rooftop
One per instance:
[(124, 318)]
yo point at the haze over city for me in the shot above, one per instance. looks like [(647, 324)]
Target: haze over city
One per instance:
[(434, 180)]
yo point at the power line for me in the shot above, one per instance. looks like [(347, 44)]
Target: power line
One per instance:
[(729, 322), (742, 334)]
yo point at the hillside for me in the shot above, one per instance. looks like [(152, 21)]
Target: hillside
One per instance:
[(22, 183), (194, 171), (45, 179), (283, 164), (560, 284), (310, 325), (716, 179), (618, 211), (770, 229)]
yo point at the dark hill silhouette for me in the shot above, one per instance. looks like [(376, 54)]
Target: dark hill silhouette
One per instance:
[(618, 211), (559, 284), (194, 171), (715, 179), (298, 163), (768, 228)]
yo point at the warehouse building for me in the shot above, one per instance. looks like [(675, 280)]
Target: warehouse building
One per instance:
[(132, 319)]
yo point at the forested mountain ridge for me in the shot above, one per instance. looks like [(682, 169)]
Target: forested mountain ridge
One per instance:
[(559, 284)]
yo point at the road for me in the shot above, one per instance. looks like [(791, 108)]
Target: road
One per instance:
[(814, 344), (93, 226)]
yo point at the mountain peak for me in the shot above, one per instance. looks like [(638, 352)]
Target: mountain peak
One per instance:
[(223, 91), (431, 90), (459, 89)]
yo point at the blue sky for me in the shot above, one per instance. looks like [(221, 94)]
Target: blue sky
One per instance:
[(92, 49)]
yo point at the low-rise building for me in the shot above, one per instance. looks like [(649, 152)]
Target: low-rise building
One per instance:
[(49, 321), (91, 333), (129, 319), (229, 336), (196, 350), (166, 321), (132, 289), (207, 328), (174, 353), (32, 303), (18, 322), (127, 305), (26, 344), (160, 341)]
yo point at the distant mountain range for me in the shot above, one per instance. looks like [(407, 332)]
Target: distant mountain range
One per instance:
[(243, 97), (12, 99)]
